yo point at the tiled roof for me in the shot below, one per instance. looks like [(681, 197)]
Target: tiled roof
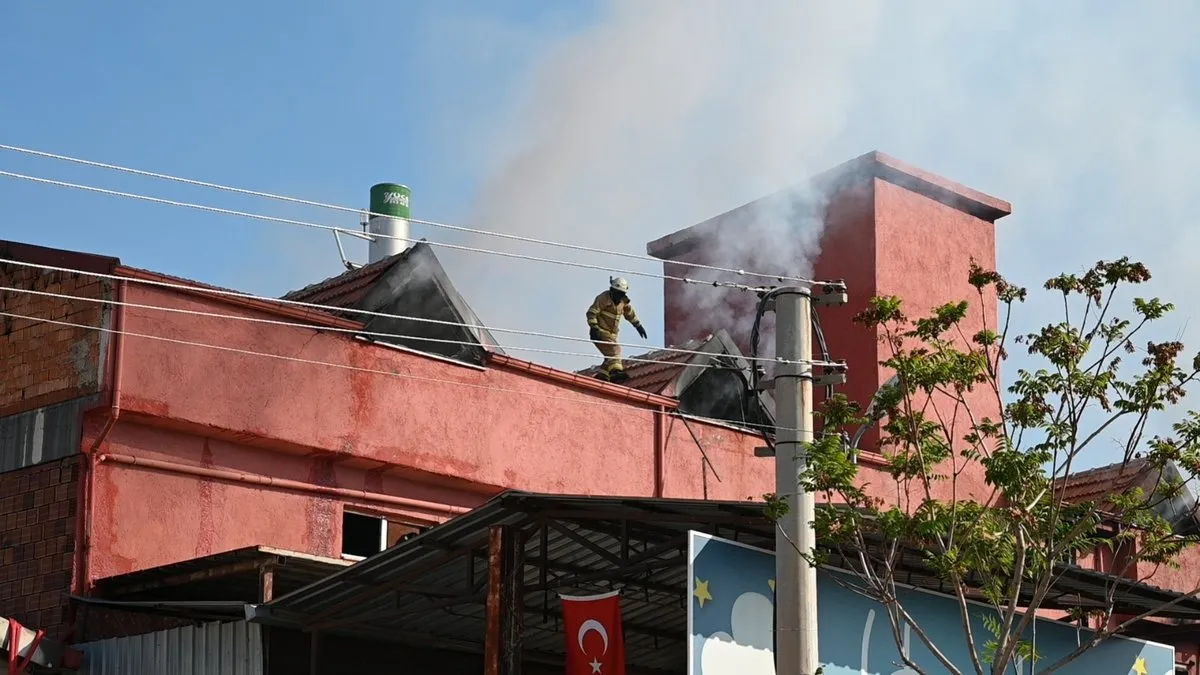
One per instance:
[(656, 378), (1094, 484), (348, 287)]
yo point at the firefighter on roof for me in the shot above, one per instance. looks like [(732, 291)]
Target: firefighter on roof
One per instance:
[(604, 323)]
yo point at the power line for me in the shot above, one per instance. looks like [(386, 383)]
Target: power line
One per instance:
[(353, 233), (330, 329), (373, 371), (431, 223), (364, 312)]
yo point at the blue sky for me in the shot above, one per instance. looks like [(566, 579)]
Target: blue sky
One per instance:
[(603, 122), (313, 99)]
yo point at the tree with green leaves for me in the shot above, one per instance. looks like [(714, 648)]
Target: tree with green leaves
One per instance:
[(1093, 387)]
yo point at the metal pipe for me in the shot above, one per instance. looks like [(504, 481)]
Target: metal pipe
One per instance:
[(660, 452), (87, 467), (284, 483), (114, 412), (795, 538)]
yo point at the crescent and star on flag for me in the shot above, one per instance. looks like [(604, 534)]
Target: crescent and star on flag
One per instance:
[(587, 627), (594, 636)]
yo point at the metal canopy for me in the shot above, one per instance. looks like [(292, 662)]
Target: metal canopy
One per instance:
[(217, 585), (431, 590)]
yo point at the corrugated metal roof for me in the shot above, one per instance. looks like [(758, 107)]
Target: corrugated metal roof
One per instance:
[(436, 582), (233, 648), (42, 435), (432, 588)]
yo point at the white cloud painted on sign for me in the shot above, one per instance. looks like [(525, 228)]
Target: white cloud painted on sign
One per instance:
[(749, 651)]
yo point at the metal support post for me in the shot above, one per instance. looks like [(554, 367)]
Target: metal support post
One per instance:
[(795, 576), (505, 602)]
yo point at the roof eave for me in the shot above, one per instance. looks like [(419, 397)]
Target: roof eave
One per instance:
[(581, 382), (307, 315)]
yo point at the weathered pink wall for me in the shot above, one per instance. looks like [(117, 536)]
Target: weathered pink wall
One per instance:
[(147, 517), (882, 239), (453, 435), (1184, 578)]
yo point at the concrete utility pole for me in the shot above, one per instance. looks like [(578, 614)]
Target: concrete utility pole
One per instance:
[(795, 577)]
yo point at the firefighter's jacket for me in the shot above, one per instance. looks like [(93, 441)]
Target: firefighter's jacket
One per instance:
[(606, 314)]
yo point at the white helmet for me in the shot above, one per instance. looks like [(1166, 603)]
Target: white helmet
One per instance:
[(618, 284)]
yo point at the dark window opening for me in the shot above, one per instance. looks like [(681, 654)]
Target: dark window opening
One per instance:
[(364, 536)]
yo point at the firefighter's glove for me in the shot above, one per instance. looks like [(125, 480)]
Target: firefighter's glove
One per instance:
[(641, 331), (594, 334)]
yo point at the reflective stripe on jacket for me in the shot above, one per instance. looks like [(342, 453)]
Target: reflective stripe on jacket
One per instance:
[(606, 314)]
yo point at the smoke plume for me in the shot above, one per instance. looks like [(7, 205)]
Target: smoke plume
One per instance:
[(663, 114)]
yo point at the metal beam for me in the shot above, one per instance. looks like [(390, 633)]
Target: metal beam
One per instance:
[(376, 590), (581, 575), (584, 541)]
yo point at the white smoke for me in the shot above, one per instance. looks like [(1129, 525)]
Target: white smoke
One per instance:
[(663, 114)]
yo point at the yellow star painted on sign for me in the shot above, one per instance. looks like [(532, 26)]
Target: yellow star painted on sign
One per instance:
[(1139, 666), (701, 591), (771, 583)]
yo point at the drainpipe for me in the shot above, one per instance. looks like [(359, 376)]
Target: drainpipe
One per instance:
[(660, 450), (83, 501), (118, 351), (433, 508)]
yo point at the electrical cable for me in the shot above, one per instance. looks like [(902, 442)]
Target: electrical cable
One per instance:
[(823, 346), (333, 329), (332, 310), (759, 311), (347, 231), (431, 223), (373, 371), (755, 334)]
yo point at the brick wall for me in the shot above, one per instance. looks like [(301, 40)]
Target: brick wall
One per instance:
[(38, 509), (45, 363)]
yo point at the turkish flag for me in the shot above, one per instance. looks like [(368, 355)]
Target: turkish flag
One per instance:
[(595, 642)]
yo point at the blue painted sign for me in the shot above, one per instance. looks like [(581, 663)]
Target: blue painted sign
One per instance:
[(730, 624)]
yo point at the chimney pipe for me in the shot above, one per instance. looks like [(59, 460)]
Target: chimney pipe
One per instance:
[(390, 214)]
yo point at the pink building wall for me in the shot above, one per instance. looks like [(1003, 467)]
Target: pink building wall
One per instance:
[(889, 229), (446, 434)]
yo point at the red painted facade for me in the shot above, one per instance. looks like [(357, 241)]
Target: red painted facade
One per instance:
[(442, 435), (196, 450), (890, 229)]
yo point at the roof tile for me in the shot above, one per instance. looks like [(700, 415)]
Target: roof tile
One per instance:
[(656, 371), (347, 288), (1094, 484)]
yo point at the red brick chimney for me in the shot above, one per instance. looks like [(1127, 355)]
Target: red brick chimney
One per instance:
[(890, 229)]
